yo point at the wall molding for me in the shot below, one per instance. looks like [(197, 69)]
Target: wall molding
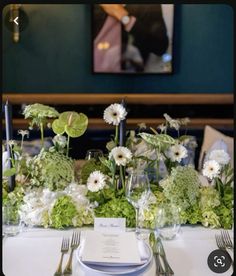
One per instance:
[(145, 98)]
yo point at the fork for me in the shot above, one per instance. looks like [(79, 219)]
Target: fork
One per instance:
[(227, 240), (221, 245), (75, 240), (64, 249)]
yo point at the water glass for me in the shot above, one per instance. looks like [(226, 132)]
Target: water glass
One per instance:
[(94, 154), (11, 221), (168, 221)]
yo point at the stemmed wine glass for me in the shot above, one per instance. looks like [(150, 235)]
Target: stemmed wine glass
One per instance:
[(137, 192)]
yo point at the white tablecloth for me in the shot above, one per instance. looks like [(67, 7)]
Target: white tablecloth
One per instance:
[(36, 252)]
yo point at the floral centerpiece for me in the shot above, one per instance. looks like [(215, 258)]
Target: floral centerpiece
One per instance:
[(50, 193)]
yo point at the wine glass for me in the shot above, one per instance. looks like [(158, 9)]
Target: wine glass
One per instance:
[(94, 154), (137, 192), (168, 221)]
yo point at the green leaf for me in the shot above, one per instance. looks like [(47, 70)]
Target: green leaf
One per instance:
[(157, 140), (10, 172), (57, 127)]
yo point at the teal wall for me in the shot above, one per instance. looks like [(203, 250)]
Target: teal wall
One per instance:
[(54, 54)]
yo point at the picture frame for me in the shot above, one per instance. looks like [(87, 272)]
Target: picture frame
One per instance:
[(143, 46)]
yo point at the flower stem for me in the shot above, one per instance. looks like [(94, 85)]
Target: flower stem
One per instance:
[(42, 137), (68, 143), (116, 135), (122, 178)]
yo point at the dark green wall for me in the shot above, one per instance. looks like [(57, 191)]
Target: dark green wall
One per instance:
[(54, 54)]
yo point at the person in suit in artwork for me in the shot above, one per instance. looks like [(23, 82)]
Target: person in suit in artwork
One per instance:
[(125, 35)]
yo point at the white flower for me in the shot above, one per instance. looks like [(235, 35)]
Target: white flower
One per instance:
[(162, 127), (172, 122), (114, 113), (121, 155), (96, 181), (177, 153), (184, 121), (23, 133), (60, 140), (211, 169), (220, 156)]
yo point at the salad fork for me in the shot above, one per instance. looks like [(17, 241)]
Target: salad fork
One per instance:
[(64, 249), (227, 240), (75, 240)]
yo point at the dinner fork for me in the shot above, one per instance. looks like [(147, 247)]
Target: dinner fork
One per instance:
[(64, 249), (221, 245), (227, 240), (75, 240)]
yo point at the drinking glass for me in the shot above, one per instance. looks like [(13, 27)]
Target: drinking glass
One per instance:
[(137, 192), (11, 221), (94, 154), (168, 221)]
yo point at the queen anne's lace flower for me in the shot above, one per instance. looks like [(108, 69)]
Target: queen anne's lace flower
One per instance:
[(121, 155), (96, 181), (211, 169), (114, 113), (177, 153), (220, 156)]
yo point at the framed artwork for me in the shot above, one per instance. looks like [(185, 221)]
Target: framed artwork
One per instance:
[(132, 38)]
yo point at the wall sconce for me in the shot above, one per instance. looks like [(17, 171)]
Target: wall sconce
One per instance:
[(14, 20)]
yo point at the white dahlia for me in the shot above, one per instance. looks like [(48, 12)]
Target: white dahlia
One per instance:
[(211, 169), (96, 181), (220, 156), (114, 113), (121, 155)]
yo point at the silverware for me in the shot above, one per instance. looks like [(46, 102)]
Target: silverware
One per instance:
[(227, 240), (64, 249), (221, 245), (75, 240), (159, 267), (167, 268)]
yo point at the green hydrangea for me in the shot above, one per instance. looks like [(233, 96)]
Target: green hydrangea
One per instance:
[(117, 208), (209, 198), (65, 214), (210, 219), (51, 170), (64, 210), (181, 187)]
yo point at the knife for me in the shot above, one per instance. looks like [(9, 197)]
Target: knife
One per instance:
[(159, 267), (162, 254)]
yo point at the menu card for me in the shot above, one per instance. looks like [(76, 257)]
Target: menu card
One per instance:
[(111, 248)]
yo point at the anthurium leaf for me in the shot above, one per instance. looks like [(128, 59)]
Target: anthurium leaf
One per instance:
[(74, 132), (68, 117), (57, 127)]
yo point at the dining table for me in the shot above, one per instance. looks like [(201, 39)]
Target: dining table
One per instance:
[(36, 252)]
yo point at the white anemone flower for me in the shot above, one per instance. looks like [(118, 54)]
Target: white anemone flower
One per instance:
[(60, 140), (96, 181), (177, 153), (211, 169), (121, 155), (220, 156), (114, 113)]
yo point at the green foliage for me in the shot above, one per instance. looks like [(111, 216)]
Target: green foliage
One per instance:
[(63, 212), (72, 123), (158, 140), (101, 196), (52, 170), (182, 187), (117, 208), (89, 167)]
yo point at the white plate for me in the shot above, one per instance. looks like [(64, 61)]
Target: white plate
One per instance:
[(116, 270)]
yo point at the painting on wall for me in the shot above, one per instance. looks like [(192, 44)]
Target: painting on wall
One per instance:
[(132, 38)]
